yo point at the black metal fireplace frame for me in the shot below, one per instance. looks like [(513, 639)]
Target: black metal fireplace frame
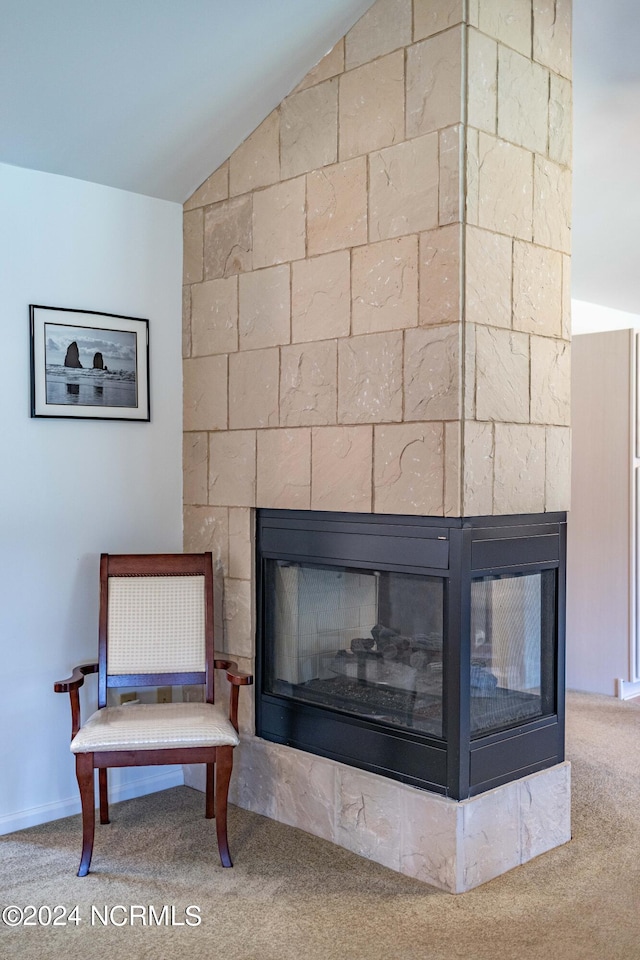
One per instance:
[(457, 550)]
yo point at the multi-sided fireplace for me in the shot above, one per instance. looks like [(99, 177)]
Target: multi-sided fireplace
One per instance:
[(428, 650)]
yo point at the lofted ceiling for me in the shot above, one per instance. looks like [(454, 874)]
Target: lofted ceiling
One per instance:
[(152, 95)]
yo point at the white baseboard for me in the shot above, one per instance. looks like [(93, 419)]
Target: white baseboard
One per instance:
[(33, 816), (625, 689)]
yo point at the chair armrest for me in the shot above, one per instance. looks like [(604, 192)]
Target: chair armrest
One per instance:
[(233, 674), (76, 679), (237, 679), (71, 686)]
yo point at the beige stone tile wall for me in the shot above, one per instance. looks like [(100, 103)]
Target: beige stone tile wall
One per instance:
[(452, 845), (515, 434), (377, 285), (323, 294)]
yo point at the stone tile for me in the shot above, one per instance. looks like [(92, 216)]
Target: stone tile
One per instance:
[(240, 543), (253, 389), (452, 469), (337, 206), (545, 811), (194, 775), (384, 286), (450, 196), (321, 297), (308, 384), (552, 205), (195, 467), (552, 34), (566, 297), (386, 26), (214, 188), (372, 106), (508, 21), (205, 393), (367, 821), (428, 844), (341, 468), (491, 835), (523, 101), (440, 268), (479, 454), (472, 171), (246, 701), (227, 238), (409, 469), (214, 316), (309, 129), (265, 308), (560, 121), (488, 278), (482, 81), (256, 162), (469, 392), (403, 188), (430, 17), (432, 373), (238, 621), (207, 528), (218, 607), (550, 381), (519, 474), (558, 469), (330, 66), (434, 83), (279, 223), (306, 793), (502, 375), (370, 378), (505, 188), (537, 290), (421, 833), (186, 321), (255, 777), (192, 237), (284, 469), (232, 469)]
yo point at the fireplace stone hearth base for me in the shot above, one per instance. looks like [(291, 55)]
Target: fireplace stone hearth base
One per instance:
[(453, 845)]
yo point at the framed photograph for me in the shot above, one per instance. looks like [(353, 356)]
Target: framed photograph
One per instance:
[(88, 365)]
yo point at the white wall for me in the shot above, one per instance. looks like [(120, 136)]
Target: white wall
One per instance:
[(594, 318), (70, 489)]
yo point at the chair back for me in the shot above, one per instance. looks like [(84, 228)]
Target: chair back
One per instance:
[(156, 621)]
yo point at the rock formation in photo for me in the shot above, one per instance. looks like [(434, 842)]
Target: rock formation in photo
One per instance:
[(72, 358)]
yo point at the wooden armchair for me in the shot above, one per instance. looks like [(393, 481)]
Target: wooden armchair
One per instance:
[(155, 629)]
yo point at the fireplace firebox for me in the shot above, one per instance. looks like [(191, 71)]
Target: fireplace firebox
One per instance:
[(427, 650)]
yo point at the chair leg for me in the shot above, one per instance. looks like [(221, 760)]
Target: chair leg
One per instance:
[(224, 763), (210, 810), (104, 795), (84, 773)]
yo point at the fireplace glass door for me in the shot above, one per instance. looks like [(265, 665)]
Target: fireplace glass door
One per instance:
[(513, 641), (366, 642)]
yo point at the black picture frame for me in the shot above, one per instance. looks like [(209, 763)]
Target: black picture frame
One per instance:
[(88, 365)]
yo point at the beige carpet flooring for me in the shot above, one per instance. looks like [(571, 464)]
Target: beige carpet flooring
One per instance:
[(292, 896)]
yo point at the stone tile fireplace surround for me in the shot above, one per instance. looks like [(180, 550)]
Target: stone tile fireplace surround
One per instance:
[(376, 320)]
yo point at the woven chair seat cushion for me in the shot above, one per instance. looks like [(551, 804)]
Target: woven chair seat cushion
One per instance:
[(155, 726)]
